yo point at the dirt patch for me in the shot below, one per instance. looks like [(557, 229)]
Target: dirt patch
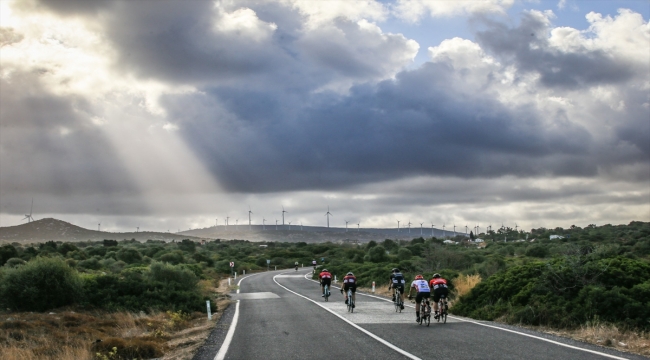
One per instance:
[(73, 335), (604, 335)]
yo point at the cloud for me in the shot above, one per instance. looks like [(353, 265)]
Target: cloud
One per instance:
[(163, 108), (414, 10)]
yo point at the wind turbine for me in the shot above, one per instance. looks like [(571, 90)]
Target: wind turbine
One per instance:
[(443, 231), (249, 218), (227, 218), (98, 226), (516, 226), (409, 226), (454, 230), (137, 229), (328, 214), (421, 229), (263, 224), (216, 223), (397, 225), (346, 225), (236, 224), (432, 230), (276, 224), (283, 215), (29, 216), (358, 226), (289, 225), (301, 226), (465, 230)]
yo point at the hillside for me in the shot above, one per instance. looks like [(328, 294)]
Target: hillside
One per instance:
[(308, 234), (57, 230)]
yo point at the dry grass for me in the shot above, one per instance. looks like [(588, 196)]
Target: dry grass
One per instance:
[(70, 335), (463, 284), (605, 335)]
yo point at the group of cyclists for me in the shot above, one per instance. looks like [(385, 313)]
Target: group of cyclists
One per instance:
[(423, 289)]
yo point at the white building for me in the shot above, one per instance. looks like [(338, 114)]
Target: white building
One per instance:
[(553, 237)]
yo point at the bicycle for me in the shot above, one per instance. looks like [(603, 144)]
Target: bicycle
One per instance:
[(397, 300), (326, 291), (442, 309), (425, 312), (350, 301)]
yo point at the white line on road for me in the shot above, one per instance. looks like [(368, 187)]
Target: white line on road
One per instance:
[(231, 331), (508, 330), (407, 354)]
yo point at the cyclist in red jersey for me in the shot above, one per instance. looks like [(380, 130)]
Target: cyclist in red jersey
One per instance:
[(439, 287), (349, 282), (325, 278)]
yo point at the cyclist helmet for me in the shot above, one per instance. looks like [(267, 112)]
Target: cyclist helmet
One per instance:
[(395, 270), (419, 277), (436, 275), (350, 273), (324, 270)]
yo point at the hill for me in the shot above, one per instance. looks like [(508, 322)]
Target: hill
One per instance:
[(57, 230)]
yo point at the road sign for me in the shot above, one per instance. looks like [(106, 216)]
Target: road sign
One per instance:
[(232, 264), (268, 262)]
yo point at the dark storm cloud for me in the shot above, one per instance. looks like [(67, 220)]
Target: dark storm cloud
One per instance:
[(406, 127), (49, 146), (76, 7), (527, 45)]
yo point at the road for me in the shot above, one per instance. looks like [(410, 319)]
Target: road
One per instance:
[(281, 315)]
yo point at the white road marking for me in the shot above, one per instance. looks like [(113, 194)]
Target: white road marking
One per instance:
[(407, 354), (503, 329), (256, 296), (231, 331)]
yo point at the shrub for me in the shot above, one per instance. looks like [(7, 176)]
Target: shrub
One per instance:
[(39, 285), (13, 262), (7, 252)]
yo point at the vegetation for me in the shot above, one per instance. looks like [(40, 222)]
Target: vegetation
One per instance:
[(589, 274)]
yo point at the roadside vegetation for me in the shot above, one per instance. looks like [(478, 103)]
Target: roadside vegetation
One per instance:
[(595, 279)]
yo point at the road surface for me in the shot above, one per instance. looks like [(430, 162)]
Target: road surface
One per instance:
[(281, 315)]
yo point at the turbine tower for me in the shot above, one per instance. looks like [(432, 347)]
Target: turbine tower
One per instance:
[(328, 214), (409, 226), (99, 226), (289, 225), (283, 215), (421, 229), (397, 225), (263, 224), (249, 218), (358, 226), (432, 230), (276, 224), (137, 229), (443, 231), (346, 225)]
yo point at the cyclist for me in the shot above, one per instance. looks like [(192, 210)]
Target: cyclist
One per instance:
[(313, 263), (325, 279), (397, 282), (296, 265), (349, 283), (439, 286), (423, 292)]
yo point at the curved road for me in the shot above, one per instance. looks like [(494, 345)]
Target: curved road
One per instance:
[(281, 315)]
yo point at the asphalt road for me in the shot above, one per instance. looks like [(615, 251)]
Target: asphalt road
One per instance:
[(281, 315)]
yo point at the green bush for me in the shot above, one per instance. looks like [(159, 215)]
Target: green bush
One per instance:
[(565, 292), (39, 285), (7, 252)]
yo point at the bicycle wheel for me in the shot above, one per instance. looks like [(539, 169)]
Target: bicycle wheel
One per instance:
[(399, 303), (327, 292), (440, 311), (350, 302), (444, 319)]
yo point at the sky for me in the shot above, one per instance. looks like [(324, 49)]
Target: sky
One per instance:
[(172, 115)]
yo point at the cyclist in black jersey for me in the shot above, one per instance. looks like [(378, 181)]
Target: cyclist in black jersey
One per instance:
[(397, 281)]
